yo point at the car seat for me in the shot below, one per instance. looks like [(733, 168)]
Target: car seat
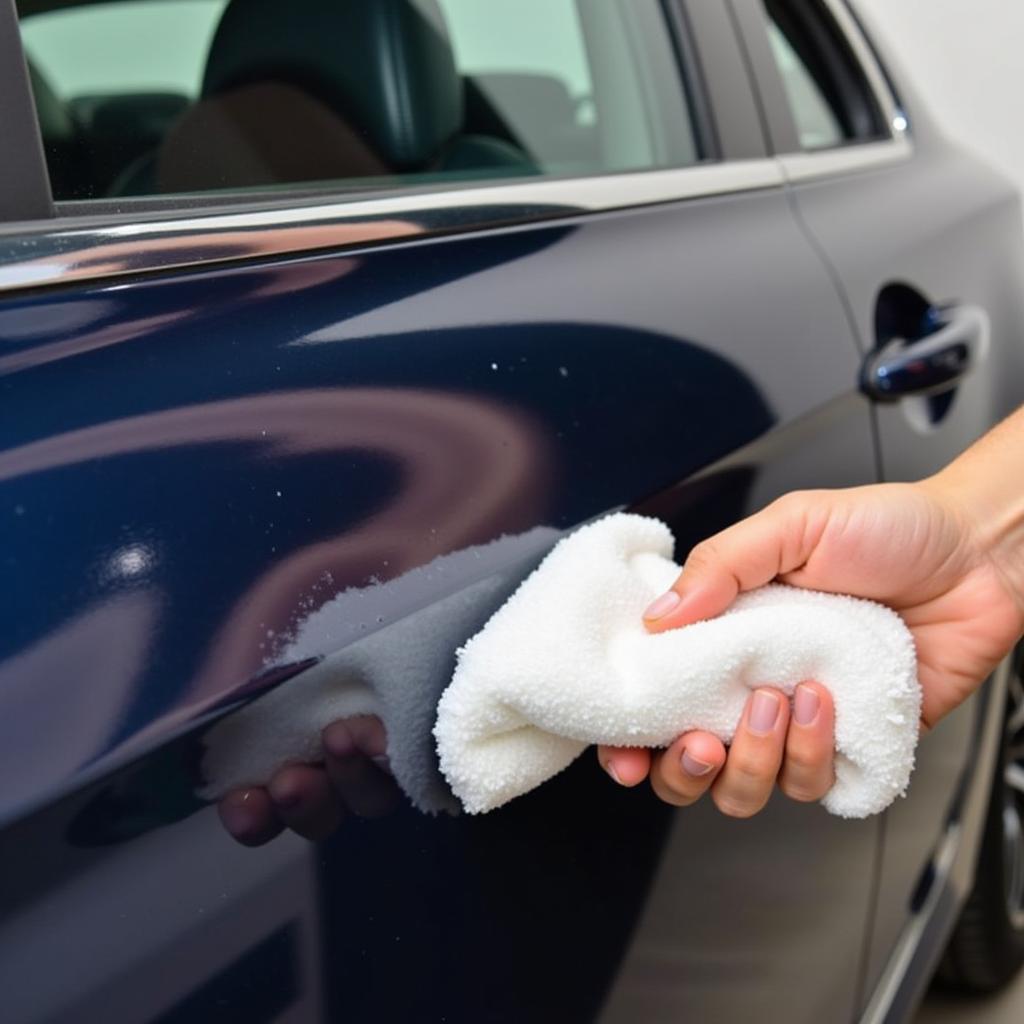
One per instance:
[(316, 90)]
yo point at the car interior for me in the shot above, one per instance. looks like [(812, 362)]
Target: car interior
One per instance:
[(315, 90)]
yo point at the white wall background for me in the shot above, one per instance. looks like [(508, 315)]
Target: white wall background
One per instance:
[(965, 58)]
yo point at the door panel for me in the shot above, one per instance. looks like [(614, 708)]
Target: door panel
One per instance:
[(930, 227), (762, 919), (948, 228), (204, 469)]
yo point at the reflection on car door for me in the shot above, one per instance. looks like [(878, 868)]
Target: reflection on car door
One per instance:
[(216, 458), (665, 345)]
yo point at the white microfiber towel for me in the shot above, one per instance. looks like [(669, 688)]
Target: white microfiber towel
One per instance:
[(567, 662)]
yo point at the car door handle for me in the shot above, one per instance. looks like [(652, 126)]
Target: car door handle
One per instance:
[(932, 365)]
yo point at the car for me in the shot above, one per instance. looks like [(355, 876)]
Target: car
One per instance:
[(321, 323)]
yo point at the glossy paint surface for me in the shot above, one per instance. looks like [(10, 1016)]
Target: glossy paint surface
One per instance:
[(196, 467), (216, 483), (952, 244), (206, 458)]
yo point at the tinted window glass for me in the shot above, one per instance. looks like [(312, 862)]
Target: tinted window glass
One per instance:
[(152, 97), (537, 84), (816, 122), (828, 95), (101, 48)]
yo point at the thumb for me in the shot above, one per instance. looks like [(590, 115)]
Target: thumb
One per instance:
[(776, 540)]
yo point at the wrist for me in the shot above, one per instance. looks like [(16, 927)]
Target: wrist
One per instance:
[(988, 501)]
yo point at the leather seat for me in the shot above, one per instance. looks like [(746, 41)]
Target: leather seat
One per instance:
[(314, 90)]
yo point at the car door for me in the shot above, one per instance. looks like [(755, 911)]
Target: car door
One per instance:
[(252, 433), (922, 236)]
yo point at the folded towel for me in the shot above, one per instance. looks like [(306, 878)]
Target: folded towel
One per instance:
[(567, 662)]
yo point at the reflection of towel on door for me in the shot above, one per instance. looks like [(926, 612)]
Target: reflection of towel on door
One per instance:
[(396, 672), (567, 662)]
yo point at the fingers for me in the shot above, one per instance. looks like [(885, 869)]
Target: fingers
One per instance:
[(249, 816), (628, 766), (807, 769), (771, 745), (685, 771), (778, 539), (357, 765), (312, 800), (305, 802), (746, 782)]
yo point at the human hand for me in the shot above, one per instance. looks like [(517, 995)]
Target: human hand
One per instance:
[(928, 550), (313, 799)]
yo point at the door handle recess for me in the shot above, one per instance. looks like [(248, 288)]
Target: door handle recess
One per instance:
[(932, 365)]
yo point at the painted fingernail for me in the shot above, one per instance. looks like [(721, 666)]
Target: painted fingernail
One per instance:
[(610, 769), (805, 705), (694, 767), (764, 712), (662, 606)]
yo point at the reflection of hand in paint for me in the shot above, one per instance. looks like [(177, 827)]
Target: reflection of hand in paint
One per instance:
[(313, 799)]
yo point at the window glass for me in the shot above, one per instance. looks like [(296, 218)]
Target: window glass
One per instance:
[(161, 97), (501, 35), (99, 48), (828, 94), (538, 84), (816, 122)]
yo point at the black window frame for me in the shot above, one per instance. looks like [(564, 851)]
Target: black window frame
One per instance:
[(844, 79), (24, 180)]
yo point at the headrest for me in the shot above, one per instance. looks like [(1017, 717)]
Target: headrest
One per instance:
[(385, 65), (259, 135)]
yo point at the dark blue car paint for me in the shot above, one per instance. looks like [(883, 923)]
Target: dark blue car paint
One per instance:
[(194, 452), (954, 245), (198, 435), (692, 361)]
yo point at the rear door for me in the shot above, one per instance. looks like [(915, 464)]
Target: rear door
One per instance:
[(921, 235), (247, 431)]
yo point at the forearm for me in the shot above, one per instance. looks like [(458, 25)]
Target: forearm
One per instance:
[(986, 483)]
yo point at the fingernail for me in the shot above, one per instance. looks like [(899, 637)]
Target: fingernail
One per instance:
[(338, 740), (285, 797), (662, 606), (694, 767), (383, 762), (764, 712), (237, 817), (610, 769), (805, 705)]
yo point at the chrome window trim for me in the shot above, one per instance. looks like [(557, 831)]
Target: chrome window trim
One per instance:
[(858, 156), (48, 253), (805, 165)]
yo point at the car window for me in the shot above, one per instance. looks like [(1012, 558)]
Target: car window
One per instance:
[(143, 98), (500, 37), (99, 48), (816, 122), (829, 97)]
